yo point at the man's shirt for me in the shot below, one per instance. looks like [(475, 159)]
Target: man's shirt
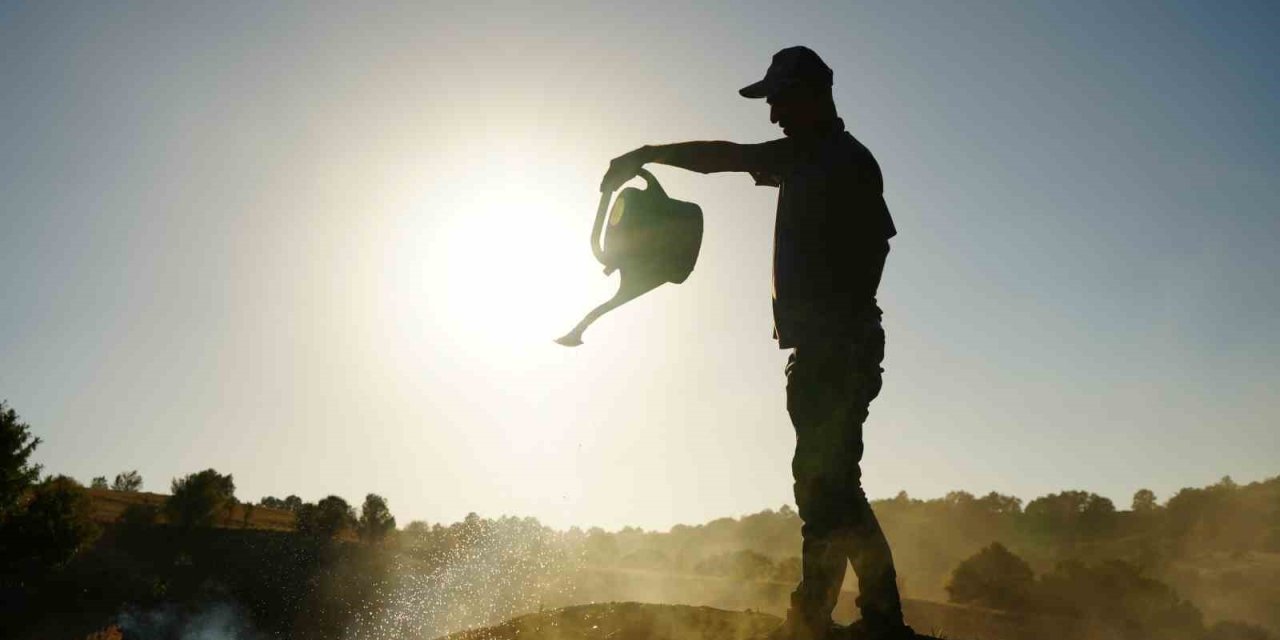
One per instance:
[(831, 236)]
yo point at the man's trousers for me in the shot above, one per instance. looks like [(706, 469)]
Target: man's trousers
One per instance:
[(829, 388)]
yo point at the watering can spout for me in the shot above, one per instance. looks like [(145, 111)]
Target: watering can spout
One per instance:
[(652, 239), (633, 286)]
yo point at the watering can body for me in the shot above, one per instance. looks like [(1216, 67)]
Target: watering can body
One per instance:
[(651, 239)]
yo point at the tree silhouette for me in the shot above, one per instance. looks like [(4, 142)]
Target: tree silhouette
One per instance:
[(291, 503), (1070, 515), (326, 518), (98, 482), (994, 577), (199, 498), (16, 445), (55, 524), (1144, 501), (1119, 595), (127, 481), (375, 518)]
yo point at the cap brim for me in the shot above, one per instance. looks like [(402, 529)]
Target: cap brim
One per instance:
[(756, 90)]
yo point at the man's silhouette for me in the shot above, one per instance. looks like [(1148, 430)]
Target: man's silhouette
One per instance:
[(830, 243)]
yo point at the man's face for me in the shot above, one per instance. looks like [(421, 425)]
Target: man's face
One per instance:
[(797, 110)]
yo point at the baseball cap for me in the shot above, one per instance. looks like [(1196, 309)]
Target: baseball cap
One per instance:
[(790, 67)]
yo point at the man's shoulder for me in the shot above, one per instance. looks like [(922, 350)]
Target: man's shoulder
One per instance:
[(855, 147)]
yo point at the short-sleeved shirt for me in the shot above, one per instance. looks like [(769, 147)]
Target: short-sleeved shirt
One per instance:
[(831, 235)]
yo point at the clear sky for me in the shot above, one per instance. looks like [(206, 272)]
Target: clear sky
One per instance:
[(325, 248)]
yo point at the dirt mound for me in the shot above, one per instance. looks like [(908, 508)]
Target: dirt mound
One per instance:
[(631, 621), (627, 621)]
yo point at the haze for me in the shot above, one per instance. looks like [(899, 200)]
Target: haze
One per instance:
[(326, 247)]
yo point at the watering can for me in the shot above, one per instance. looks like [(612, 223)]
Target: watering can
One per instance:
[(652, 239)]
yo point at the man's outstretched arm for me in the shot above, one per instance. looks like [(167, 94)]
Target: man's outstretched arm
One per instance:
[(703, 157)]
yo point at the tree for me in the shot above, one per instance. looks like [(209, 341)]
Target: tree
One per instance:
[(326, 518), (1144, 501), (128, 481), (198, 499), (98, 482), (291, 503), (375, 518), (1118, 595), (993, 577), (789, 569), (998, 504), (1071, 514), (55, 524), (16, 473)]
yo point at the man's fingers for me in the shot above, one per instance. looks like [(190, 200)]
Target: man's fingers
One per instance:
[(621, 169)]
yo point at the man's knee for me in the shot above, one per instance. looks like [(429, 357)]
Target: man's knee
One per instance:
[(829, 503)]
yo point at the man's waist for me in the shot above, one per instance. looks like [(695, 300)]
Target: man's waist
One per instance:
[(797, 321)]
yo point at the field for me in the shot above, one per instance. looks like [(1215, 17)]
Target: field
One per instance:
[(109, 505)]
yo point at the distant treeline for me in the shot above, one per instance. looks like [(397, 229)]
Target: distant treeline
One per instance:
[(930, 537), (1218, 546)]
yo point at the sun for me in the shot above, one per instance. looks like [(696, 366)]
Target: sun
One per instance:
[(509, 268)]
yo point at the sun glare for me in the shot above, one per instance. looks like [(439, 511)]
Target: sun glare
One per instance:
[(508, 267)]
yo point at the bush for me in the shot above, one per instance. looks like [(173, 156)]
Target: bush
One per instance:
[(199, 498), (1117, 595), (55, 524), (994, 577)]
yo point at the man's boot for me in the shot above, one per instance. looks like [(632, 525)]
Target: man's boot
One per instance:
[(878, 598), (799, 627), (877, 624), (824, 559)]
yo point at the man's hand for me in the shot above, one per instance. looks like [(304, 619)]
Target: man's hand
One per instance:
[(622, 169)]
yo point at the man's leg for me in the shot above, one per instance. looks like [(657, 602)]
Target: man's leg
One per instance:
[(814, 403), (829, 389)]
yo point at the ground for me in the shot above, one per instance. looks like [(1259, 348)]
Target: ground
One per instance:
[(628, 621)]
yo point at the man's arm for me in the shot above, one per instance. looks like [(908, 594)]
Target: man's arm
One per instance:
[(703, 157)]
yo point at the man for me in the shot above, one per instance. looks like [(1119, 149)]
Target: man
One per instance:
[(830, 243)]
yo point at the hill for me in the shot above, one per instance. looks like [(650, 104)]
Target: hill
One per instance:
[(109, 506)]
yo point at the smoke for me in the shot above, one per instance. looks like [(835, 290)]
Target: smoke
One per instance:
[(221, 620)]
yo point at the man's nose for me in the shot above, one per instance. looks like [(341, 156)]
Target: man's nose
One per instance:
[(773, 114)]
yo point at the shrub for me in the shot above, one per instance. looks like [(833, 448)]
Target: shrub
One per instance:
[(994, 577), (199, 498), (55, 524)]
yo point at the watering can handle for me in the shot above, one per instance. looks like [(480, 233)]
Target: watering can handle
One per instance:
[(602, 210)]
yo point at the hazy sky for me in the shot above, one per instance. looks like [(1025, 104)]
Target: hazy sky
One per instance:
[(326, 248)]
